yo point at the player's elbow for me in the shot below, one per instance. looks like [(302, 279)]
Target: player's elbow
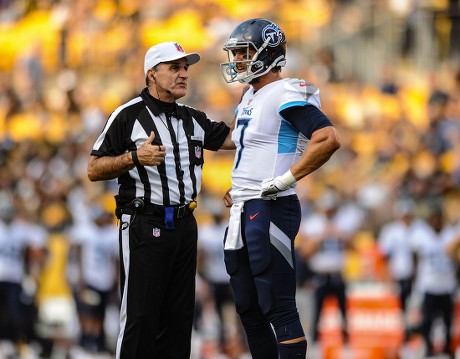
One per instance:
[(334, 143), (332, 140)]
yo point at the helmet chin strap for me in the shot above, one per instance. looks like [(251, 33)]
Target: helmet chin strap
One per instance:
[(242, 78)]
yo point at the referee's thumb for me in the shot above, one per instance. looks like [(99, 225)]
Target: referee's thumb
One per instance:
[(150, 139)]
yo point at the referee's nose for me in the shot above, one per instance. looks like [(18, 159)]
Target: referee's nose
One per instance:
[(183, 72)]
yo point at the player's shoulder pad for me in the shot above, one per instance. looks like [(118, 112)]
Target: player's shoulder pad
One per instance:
[(304, 87)]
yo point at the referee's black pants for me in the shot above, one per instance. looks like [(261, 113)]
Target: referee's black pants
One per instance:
[(158, 287)]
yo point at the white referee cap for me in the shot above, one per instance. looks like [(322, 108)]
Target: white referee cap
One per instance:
[(167, 51)]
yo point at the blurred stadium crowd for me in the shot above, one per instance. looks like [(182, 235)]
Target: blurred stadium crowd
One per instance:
[(389, 75)]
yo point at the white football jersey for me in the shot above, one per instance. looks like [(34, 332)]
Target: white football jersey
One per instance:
[(99, 248), (395, 240), (14, 239), (266, 144), (436, 270), (210, 242), (330, 256)]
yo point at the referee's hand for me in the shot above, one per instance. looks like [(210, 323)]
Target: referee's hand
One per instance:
[(151, 155)]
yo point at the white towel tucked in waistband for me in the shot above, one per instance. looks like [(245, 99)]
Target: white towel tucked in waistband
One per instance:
[(234, 239)]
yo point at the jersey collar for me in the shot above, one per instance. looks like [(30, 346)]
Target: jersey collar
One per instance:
[(158, 107)]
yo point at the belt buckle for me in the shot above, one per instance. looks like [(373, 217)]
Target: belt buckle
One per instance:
[(181, 211)]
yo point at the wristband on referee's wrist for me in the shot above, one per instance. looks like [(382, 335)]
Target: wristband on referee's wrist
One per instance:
[(135, 158)]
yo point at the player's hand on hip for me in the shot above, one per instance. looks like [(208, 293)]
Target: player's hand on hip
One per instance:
[(151, 155), (272, 186), (228, 199)]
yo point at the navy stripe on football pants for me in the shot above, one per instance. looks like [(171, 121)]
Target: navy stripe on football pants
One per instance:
[(263, 272)]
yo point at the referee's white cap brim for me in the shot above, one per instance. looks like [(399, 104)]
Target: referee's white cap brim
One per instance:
[(168, 51)]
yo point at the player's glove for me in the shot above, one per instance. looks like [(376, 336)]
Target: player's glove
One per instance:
[(271, 187)]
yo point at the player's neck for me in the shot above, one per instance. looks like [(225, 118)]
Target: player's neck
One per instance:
[(265, 80)]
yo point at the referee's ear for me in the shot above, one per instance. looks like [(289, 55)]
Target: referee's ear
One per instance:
[(147, 77)]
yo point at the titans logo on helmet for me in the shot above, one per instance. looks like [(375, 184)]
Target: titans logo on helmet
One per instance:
[(273, 33)]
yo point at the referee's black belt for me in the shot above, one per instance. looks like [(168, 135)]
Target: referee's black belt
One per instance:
[(138, 206), (157, 210)]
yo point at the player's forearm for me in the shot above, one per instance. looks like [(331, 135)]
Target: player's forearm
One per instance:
[(107, 167), (321, 147)]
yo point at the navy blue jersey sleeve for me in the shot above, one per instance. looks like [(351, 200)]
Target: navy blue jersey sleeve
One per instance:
[(307, 119)]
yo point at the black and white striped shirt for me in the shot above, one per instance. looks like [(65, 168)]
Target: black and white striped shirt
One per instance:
[(177, 180)]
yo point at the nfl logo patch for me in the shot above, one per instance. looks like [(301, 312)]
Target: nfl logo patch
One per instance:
[(197, 151), (178, 47), (156, 232)]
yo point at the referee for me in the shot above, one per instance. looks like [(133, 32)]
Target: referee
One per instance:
[(155, 146)]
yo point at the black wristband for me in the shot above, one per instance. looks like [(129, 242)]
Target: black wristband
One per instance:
[(135, 158)]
